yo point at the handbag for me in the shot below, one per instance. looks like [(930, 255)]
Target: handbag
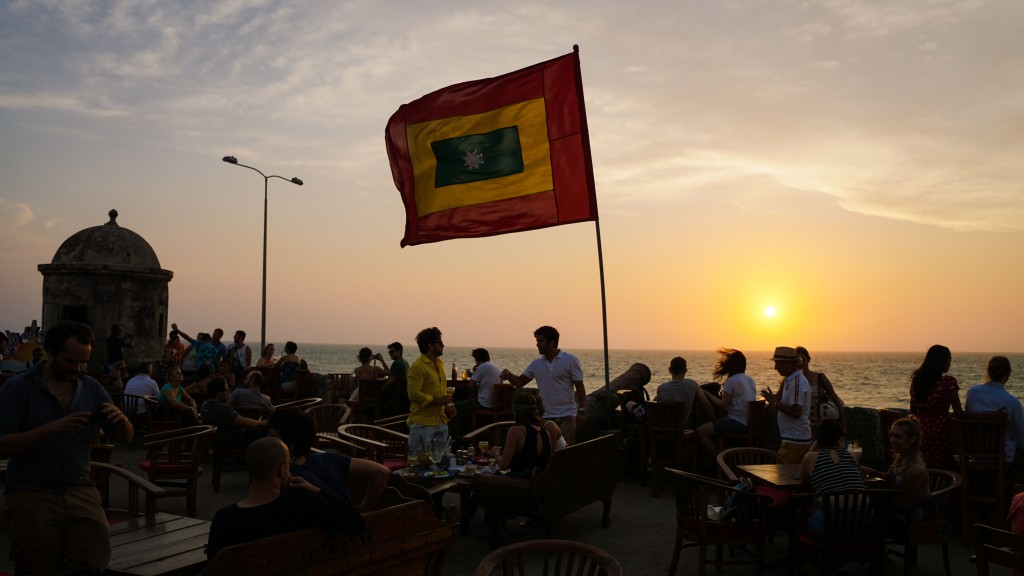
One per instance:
[(827, 408)]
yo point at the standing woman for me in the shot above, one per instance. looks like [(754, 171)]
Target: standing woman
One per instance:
[(932, 393), (821, 387), (737, 390)]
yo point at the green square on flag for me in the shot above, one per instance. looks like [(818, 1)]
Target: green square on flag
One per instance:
[(477, 157)]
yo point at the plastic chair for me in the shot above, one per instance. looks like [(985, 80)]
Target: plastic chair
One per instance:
[(383, 446), (551, 558), (982, 465), (693, 495), (669, 440), (174, 461), (997, 547), (756, 410), (931, 529), (855, 524), (502, 409)]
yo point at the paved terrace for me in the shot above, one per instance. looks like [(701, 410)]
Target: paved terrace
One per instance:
[(640, 537)]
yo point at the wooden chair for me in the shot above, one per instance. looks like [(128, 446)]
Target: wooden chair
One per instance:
[(693, 495), (931, 528), (398, 423), (997, 547), (400, 540), (982, 465), (296, 393), (756, 410), (327, 417), (272, 383), (494, 433), (130, 404), (886, 418), (174, 461), (730, 459), (302, 404), (501, 398), (338, 387), (855, 523), (226, 445), (669, 440), (162, 418), (101, 475), (553, 557), (383, 446), (368, 407)]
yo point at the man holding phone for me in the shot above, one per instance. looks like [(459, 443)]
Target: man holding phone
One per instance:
[(53, 511)]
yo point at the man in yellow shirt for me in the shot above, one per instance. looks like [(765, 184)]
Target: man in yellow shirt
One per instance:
[(430, 406)]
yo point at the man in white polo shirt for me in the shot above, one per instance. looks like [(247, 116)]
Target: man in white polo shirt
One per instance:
[(793, 402), (560, 381)]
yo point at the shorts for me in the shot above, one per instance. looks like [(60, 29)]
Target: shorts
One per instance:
[(422, 437), (729, 425), (57, 533), (793, 453)]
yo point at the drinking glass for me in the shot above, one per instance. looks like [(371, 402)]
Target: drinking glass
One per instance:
[(484, 447)]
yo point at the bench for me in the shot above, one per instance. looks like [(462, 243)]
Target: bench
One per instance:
[(576, 477), (401, 540)]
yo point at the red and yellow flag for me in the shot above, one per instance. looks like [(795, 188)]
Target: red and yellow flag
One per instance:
[(494, 156)]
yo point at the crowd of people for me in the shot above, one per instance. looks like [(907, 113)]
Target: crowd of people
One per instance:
[(47, 415)]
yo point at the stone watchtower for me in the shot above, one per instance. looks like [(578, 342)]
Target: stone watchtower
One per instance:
[(107, 275)]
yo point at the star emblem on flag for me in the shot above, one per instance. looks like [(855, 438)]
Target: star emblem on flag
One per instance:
[(473, 159)]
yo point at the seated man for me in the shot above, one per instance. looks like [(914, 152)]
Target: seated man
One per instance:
[(217, 412), (678, 390), (992, 397), (251, 397), (142, 384), (329, 471), (487, 375), (277, 503)]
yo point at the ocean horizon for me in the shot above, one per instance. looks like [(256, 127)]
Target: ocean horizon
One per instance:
[(866, 379)]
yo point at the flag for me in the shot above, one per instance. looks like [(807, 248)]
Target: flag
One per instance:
[(494, 156)]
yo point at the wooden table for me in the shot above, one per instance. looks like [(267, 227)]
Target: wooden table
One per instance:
[(159, 545), (786, 476)]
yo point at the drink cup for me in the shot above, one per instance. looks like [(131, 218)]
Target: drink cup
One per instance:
[(450, 390), (484, 447)]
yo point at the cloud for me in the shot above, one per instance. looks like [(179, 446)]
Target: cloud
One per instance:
[(15, 214)]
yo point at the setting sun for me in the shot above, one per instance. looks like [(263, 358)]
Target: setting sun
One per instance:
[(770, 311)]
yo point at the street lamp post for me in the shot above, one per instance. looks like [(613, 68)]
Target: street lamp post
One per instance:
[(263, 306)]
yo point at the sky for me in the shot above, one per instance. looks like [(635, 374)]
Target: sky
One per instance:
[(855, 164)]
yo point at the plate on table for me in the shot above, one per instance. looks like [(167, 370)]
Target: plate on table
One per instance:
[(439, 475)]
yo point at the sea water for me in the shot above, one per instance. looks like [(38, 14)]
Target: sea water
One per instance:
[(866, 379)]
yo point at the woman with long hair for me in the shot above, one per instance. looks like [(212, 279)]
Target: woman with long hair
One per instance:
[(530, 443), (821, 388), (267, 358), (908, 473), (737, 390), (932, 393)]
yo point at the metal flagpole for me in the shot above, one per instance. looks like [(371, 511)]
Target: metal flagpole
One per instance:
[(604, 321)]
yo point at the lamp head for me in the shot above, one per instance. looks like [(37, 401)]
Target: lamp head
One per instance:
[(231, 160), (297, 181)]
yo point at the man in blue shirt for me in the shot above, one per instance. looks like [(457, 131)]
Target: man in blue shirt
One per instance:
[(53, 511), (993, 397)]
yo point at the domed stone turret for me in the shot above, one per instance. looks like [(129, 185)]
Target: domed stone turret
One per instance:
[(108, 244), (106, 275)]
